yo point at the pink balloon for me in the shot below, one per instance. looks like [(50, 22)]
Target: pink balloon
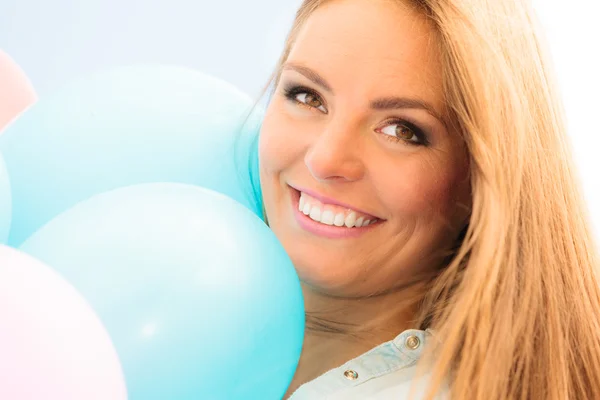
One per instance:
[(52, 344), (16, 91)]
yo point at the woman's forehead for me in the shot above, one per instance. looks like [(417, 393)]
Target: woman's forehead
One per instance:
[(377, 45)]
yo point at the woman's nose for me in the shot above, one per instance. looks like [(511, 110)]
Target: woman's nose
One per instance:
[(335, 154)]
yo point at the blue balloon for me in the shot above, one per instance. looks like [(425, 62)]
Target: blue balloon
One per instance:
[(5, 202), (127, 126), (200, 298)]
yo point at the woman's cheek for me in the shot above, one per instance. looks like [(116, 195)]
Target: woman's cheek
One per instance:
[(420, 188), (280, 140), (270, 142)]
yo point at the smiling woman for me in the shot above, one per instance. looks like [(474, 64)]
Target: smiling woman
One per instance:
[(414, 164)]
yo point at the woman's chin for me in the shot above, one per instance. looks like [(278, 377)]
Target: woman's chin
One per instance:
[(326, 281)]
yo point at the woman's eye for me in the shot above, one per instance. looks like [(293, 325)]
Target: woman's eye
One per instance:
[(401, 131), (305, 97), (310, 100)]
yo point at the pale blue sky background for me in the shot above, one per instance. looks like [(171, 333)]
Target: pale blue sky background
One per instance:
[(239, 41)]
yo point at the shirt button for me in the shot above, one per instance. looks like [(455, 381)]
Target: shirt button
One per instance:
[(351, 375), (413, 342)]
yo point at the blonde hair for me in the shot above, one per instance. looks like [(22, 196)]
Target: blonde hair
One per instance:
[(518, 307)]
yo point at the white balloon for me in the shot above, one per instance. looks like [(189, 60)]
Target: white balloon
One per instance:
[(52, 344)]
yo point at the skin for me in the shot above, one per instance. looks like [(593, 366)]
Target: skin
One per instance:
[(332, 141)]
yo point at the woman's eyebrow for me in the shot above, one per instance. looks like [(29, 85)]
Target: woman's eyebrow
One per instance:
[(308, 73), (387, 103), (394, 103)]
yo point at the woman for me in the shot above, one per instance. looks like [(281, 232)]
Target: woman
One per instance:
[(414, 165)]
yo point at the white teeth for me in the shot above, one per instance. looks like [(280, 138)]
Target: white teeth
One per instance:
[(327, 217), (339, 219), (306, 208), (315, 214), (350, 219)]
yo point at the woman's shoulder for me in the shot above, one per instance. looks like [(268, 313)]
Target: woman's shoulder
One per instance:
[(384, 372)]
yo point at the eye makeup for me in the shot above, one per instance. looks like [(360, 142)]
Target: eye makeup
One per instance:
[(292, 90)]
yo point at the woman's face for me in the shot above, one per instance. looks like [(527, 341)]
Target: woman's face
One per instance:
[(355, 132)]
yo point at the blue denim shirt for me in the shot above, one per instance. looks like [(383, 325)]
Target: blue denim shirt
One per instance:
[(385, 372)]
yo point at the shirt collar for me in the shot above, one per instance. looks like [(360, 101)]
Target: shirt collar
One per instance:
[(404, 350)]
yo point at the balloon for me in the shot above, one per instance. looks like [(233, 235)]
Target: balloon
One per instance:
[(16, 92), (126, 126), (5, 202), (52, 345), (198, 295)]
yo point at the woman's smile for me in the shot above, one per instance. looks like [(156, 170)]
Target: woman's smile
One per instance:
[(328, 218)]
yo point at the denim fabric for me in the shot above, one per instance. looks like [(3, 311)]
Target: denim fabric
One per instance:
[(385, 372)]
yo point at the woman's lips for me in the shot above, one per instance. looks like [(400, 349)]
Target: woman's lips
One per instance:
[(323, 230), (327, 200)]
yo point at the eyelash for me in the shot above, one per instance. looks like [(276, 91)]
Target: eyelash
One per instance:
[(291, 91)]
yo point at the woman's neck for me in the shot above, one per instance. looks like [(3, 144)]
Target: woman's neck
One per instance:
[(340, 329)]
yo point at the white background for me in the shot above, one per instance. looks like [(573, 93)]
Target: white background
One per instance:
[(573, 33)]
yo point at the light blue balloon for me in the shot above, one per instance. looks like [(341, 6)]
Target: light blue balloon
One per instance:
[(198, 295), (5, 202), (126, 126)]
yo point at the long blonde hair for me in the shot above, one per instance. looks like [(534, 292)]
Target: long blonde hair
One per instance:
[(518, 306)]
